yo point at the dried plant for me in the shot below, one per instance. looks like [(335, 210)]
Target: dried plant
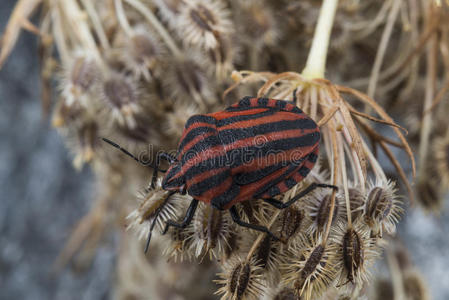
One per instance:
[(134, 71)]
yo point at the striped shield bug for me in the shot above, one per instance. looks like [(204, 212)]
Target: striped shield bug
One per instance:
[(257, 148)]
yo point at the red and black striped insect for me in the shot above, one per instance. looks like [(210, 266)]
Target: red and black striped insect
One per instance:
[(255, 149)]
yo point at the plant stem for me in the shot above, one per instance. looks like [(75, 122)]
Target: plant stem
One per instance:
[(316, 61)]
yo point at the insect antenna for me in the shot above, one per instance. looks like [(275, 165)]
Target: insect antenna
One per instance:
[(129, 154)]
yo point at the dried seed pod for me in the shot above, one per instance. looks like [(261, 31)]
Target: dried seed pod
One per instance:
[(178, 244), (142, 54), (267, 255), (187, 77), (152, 200), (66, 115), (80, 78), (241, 280), (382, 208), (259, 25), (202, 23), (121, 96), (318, 205), (356, 252), (310, 268), (210, 231), (291, 220)]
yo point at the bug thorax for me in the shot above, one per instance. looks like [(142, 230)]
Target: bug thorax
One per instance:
[(173, 179)]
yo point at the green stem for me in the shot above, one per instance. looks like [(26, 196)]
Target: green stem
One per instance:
[(316, 62)]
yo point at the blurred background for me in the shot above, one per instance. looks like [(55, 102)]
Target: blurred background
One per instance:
[(42, 197)]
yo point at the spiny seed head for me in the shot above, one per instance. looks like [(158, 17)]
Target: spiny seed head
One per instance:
[(241, 280), (310, 268), (382, 208), (81, 77), (66, 115), (178, 244), (121, 95), (202, 22), (187, 77), (86, 143), (318, 205), (152, 200), (142, 53), (260, 25), (356, 251), (211, 229), (290, 222)]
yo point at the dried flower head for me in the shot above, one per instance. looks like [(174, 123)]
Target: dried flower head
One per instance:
[(260, 27), (121, 96), (382, 208), (142, 53), (202, 23), (187, 79), (80, 78), (240, 280)]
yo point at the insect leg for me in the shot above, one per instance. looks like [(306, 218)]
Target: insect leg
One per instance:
[(154, 221), (235, 216), (168, 157), (310, 188), (187, 218)]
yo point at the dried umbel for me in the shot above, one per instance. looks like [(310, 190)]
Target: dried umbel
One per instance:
[(382, 208), (356, 202), (241, 280)]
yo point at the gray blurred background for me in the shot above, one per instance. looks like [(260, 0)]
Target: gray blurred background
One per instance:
[(42, 197)]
